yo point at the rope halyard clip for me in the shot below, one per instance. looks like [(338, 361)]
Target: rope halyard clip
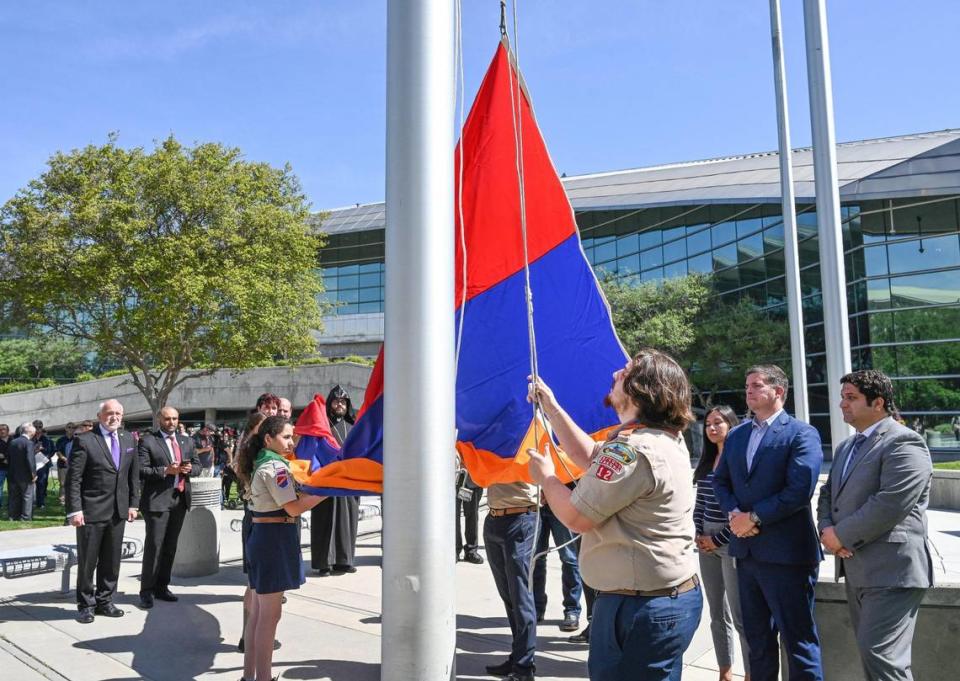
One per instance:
[(503, 18)]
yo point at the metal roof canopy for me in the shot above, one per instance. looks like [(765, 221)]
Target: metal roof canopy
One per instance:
[(923, 164)]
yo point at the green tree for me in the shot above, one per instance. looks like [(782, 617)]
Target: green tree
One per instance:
[(660, 315), (30, 359), (165, 260), (716, 341), (731, 337)]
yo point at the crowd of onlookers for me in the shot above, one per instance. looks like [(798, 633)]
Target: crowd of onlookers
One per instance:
[(25, 484), (643, 540)]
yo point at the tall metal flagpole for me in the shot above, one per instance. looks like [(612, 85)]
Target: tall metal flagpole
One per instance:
[(798, 355), (833, 276), (418, 640)]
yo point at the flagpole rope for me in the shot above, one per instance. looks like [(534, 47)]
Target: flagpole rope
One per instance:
[(458, 95), (516, 104)]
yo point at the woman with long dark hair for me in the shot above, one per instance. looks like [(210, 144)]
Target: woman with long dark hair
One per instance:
[(717, 569), (273, 547), (244, 440)]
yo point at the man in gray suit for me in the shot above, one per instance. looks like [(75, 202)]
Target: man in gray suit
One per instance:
[(872, 517)]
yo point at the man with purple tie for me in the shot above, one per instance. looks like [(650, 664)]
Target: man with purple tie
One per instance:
[(103, 492)]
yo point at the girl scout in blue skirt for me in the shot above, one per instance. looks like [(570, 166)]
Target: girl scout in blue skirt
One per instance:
[(273, 547)]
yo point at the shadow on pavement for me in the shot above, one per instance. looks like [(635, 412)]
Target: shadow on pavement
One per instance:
[(472, 665), (159, 650), (332, 670), (47, 606)]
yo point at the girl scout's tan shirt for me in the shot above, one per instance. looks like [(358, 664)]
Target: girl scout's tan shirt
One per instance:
[(639, 493), (271, 486)]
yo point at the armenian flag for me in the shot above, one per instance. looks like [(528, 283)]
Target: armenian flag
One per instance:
[(576, 346)]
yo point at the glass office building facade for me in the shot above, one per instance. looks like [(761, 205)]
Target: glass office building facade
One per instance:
[(902, 267), (903, 284), (900, 215)]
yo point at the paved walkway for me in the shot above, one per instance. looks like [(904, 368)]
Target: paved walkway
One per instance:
[(330, 627)]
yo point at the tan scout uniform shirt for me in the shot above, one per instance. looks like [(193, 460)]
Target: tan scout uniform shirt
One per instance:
[(511, 495), (271, 486), (639, 493)]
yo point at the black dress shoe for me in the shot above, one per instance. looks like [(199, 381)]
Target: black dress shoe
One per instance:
[(570, 623), (322, 572), (85, 616), (473, 557), (582, 637), (502, 669), (343, 569), (519, 676), (166, 595), (108, 610), (146, 601)]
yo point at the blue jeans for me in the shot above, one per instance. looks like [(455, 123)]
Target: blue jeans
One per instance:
[(638, 638), (572, 584), (509, 544)]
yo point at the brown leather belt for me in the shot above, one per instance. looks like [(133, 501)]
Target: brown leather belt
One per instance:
[(274, 519), (672, 591), (515, 510)]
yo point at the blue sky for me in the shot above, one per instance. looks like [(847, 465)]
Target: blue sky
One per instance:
[(616, 84)]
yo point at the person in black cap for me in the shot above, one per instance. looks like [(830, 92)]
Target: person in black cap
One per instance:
[(333, 522)]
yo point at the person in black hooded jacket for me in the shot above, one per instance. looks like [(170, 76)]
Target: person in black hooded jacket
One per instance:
[(333, 522)]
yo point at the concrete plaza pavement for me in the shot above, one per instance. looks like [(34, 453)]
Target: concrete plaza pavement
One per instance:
[(330, 627)]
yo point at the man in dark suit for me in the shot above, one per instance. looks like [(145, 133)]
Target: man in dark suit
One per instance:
[(42, 444), (764, 481), (167, 462), (21, 474), (872, 517), (103, 492)]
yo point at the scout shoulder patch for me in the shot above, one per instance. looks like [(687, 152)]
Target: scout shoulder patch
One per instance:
[(619, 451), (282, 478)]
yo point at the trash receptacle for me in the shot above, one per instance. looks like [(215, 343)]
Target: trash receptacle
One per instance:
[(198, 549)]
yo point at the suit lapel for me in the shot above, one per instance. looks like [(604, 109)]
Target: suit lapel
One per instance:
[(841, 461), (105, 446), (164, 448), (182, 442), (865, 448), (771, 431)]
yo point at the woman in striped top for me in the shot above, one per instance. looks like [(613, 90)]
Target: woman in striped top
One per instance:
[(717, 569)]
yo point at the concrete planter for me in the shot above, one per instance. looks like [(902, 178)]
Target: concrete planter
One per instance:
[(934, 641), (945, 490), (198, 550)]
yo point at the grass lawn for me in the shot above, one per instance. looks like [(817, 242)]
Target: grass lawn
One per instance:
[(51, 515), (948, 465)]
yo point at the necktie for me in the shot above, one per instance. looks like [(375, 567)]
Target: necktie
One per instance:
[(854, 450), (115, 449), (177, 458)]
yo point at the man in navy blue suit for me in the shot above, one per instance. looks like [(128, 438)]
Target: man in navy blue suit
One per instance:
[(764, 481)]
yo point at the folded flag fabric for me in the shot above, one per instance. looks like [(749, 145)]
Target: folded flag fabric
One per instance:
[(356, 468)]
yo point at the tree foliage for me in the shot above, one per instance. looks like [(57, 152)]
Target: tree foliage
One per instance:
[(175, 258), (715, 340), (660, 315), (732, 337), (31, 359)]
